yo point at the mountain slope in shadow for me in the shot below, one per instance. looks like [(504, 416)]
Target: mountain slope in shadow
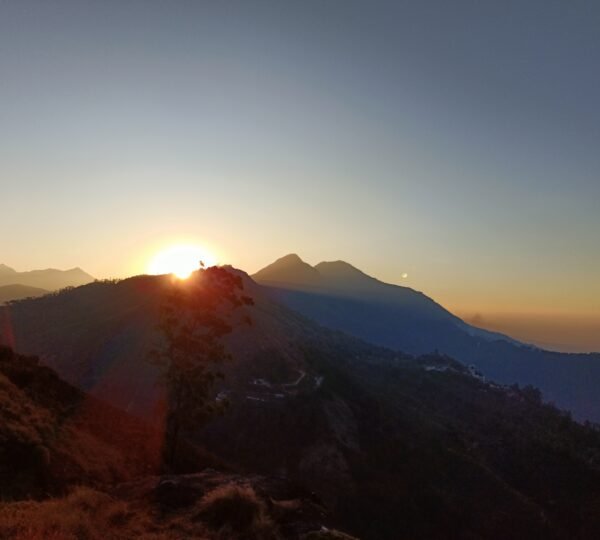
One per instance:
[(341, 297), (341, 281)]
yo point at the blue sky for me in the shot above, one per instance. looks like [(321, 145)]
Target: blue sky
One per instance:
[(454, 141)]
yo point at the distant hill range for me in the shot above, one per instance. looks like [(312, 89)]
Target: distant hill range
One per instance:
[(339, 296), (49, 279), (16, 292)]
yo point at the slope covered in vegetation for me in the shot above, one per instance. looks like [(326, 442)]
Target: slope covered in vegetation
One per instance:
[(52, 435), (72, 467), (420, 448)]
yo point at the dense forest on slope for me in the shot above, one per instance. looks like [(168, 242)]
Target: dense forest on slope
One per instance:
[(421, 448)]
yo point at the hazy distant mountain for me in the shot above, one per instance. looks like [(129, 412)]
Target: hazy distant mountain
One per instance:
[(341, 297), (16, 292), (397, 447), (49, 279)]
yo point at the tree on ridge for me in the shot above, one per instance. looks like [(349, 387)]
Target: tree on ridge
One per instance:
[(194, 321)]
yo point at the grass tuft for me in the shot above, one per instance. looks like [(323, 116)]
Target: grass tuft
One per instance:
[(237, 511)]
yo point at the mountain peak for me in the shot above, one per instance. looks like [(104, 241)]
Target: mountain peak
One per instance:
[(292, 270), (290, 258), (289, 270), (79, 271)]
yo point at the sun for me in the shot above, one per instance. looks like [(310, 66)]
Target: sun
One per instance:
[(180, 260)]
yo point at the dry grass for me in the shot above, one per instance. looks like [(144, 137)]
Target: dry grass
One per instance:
[(226, 513), (235, 511), (53, 436), (20, 419), (85, 514), (231, 511)]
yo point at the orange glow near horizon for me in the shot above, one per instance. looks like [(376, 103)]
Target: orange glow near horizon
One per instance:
[(180, 260)]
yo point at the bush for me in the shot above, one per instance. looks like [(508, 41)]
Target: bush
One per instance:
[(234, 509)]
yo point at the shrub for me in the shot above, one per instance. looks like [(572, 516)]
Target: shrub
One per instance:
[(234, 509)]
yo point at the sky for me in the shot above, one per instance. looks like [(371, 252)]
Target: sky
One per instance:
[(455, 142)]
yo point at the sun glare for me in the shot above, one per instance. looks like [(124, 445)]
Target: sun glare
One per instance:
[(180, 261)]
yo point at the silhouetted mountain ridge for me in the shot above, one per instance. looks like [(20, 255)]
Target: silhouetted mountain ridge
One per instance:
[(17, 292), (49, 279)]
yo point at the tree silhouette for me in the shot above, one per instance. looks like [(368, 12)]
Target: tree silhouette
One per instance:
[(194, 321)]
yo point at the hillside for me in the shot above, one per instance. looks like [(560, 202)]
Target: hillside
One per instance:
[(341, 297), (395, 446), (52, 435), (49, 279), (98, 336), (73, 467), (18, 292), (417, 448)]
